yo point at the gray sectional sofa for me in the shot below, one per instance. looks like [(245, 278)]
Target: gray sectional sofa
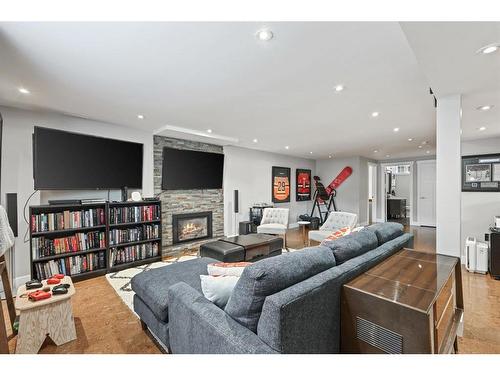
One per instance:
[(285, 304)]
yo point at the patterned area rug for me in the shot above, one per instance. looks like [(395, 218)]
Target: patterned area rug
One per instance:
[(120, 281)]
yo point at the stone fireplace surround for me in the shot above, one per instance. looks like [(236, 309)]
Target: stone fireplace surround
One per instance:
[(186, 201)]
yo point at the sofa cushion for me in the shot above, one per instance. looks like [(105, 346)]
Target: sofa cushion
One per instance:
[(353, 245), (386, 231), (271, 275), (152, 285), (271, 228)]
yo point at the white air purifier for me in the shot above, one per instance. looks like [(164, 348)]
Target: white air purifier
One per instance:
[(470, 254), (482, 251)]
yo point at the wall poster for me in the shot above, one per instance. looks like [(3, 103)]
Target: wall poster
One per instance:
[(481, 173), (302, 185), (280, 184)]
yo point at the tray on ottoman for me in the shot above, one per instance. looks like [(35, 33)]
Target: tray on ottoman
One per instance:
[(249, 247)]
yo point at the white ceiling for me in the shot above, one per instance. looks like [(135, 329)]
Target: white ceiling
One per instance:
[(446, 53), (218, 76)]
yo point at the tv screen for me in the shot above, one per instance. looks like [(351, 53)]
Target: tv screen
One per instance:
[(64, 160), (184, 169)]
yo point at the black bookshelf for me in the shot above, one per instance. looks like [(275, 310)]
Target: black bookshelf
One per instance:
[(105, 228)]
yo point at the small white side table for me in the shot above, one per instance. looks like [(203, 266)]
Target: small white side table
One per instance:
[(303, 225), (49, 317)]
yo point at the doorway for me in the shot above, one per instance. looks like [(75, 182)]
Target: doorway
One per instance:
[(397, 189), (426, 192), (372, 193)]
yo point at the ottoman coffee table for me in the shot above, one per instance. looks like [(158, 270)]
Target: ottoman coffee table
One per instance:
[(49, 317), (244, 248)]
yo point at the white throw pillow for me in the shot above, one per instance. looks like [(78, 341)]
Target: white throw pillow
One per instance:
[(226, 269), (218, 289)]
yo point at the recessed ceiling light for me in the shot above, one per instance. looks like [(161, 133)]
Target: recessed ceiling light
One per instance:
[(395, 130), (387, 156), (375, 114), (22, 90), (490, 48), (329, 156), (264, 35), (310, 152), (140, 117), (339, 88), (482, 128), (375, 151), (427, 152), (424, 142), (484, 107), (255, 140), (209, 130), (419, 146), (287, 147), (410, 139)]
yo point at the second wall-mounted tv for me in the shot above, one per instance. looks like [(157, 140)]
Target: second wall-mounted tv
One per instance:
[(186, 169), (63, 161)]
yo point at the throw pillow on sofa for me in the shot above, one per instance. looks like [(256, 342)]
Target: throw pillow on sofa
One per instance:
[(218, 289), (271, 275), (386, 231), (226, 269), (353, 245), (336, 235)]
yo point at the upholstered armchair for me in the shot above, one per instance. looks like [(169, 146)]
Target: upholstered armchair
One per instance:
[(335, 221), (274, 221)]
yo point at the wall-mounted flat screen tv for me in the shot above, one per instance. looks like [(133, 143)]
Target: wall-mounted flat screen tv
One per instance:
[(65, 161), (185, 169)]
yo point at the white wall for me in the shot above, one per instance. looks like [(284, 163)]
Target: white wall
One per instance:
[(17, 165), (352, 195), (249, 172), (479, 208)]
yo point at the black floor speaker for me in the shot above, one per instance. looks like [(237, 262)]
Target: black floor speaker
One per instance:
[(11, 208), (236, 202)]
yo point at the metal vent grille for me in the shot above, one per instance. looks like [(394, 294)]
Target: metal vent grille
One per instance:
[(388, 341)]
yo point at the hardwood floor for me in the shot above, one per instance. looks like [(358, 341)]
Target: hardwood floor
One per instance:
[(104, 323)]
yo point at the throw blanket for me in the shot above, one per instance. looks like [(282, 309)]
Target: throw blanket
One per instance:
[(6, 234)]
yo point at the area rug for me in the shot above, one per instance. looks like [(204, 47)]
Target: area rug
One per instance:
[(120, 281)]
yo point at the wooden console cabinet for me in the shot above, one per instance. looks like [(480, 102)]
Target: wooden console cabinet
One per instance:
[(410, 303)]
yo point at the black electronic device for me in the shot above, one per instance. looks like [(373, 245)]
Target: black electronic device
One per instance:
[(124, 194), (64, 202), (494, 256), (236, 202), (11, 208), (60, 289), (187, 169), (33, 284), (64, 160)]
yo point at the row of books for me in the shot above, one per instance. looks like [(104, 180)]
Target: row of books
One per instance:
[(144, 232), (133, 253), (120, 215), (90, 217), (71, 265), (43, 247)]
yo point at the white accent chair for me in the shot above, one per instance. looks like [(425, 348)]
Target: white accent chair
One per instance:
[(335, 221), (274, 221)]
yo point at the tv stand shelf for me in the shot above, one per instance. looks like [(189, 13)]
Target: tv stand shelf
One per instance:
[(98, 256)]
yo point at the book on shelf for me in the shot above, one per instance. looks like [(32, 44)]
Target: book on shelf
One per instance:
[(134, 214), (133, 253), (143, 232), (71, 266), (44, 222), (43, 247)]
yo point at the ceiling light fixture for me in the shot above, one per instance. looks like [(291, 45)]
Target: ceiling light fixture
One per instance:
[(490, 48), (265, 35), (410, 139), (427, 152), (387, 156), (419, 146), (209, 131), (482, 128), (395, 130), (287, 147), (484, 107), (375, 114), (329, 156), (255, 140), (339, 88), (310, 152), (140, 117), (424, 142), (375, 151), (22, 90)]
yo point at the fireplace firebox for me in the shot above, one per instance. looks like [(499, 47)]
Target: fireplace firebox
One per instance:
[(191, 227)]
